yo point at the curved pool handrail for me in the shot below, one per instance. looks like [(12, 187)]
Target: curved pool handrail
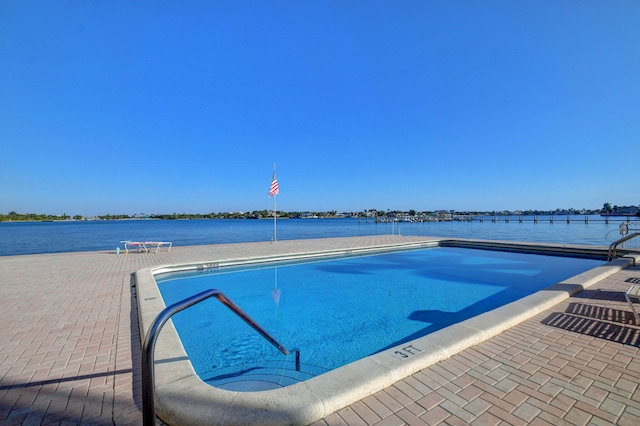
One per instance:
[(614, 245), (148, 399)]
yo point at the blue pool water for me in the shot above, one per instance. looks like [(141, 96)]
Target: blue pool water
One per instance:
[(338, 311)]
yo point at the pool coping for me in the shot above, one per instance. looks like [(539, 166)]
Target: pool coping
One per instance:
[(183, 398)]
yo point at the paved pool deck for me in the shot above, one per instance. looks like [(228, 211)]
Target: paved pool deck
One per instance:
[(70, 349)]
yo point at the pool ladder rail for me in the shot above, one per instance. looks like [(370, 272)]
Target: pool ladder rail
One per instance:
[(148, 346), (614, 245)]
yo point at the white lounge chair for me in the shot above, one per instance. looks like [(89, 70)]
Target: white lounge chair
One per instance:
[(633, 293), (157, 244), (145, 246)]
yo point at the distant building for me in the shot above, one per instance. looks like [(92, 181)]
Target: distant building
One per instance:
[(625, 210)]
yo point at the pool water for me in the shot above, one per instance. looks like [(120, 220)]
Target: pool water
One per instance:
[(341, 310)]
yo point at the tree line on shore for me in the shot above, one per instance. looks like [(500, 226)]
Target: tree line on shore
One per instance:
[(268, 214), (256, 214)]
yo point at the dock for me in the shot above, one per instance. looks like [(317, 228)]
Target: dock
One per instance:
[(70, 349)]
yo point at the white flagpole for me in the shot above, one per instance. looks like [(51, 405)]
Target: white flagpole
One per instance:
[(275, 195)]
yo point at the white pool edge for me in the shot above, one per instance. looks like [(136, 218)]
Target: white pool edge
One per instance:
[(183, 398)]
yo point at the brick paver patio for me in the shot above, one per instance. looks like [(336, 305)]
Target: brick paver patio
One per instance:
[(70, 350)]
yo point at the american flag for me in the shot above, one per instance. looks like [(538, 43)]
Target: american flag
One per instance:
[(274, 189)]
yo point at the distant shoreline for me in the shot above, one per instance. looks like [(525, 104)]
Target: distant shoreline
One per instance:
[(390, 218)]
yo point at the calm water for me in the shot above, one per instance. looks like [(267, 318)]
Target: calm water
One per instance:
[(333, 311), (54, 237)]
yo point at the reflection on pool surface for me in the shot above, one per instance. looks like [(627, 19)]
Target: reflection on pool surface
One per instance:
[(340, 310)]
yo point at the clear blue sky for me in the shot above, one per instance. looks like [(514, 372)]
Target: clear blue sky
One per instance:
[(166, 106)]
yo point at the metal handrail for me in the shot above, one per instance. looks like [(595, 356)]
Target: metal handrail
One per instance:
[(614, 245), (148, 398)]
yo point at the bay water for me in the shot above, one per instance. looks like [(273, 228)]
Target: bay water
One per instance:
[(71, 236)]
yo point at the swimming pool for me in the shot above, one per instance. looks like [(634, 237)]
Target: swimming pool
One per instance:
[(341, 310), (183, 398)]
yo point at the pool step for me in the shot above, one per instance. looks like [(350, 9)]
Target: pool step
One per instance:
[(262, 376)]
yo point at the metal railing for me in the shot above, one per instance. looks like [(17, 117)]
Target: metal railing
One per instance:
[(148, 370), (614, 245)]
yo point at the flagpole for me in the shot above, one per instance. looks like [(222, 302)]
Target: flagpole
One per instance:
[(273, 191)]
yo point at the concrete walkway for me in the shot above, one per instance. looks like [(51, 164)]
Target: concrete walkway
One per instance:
[(70, 350)]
